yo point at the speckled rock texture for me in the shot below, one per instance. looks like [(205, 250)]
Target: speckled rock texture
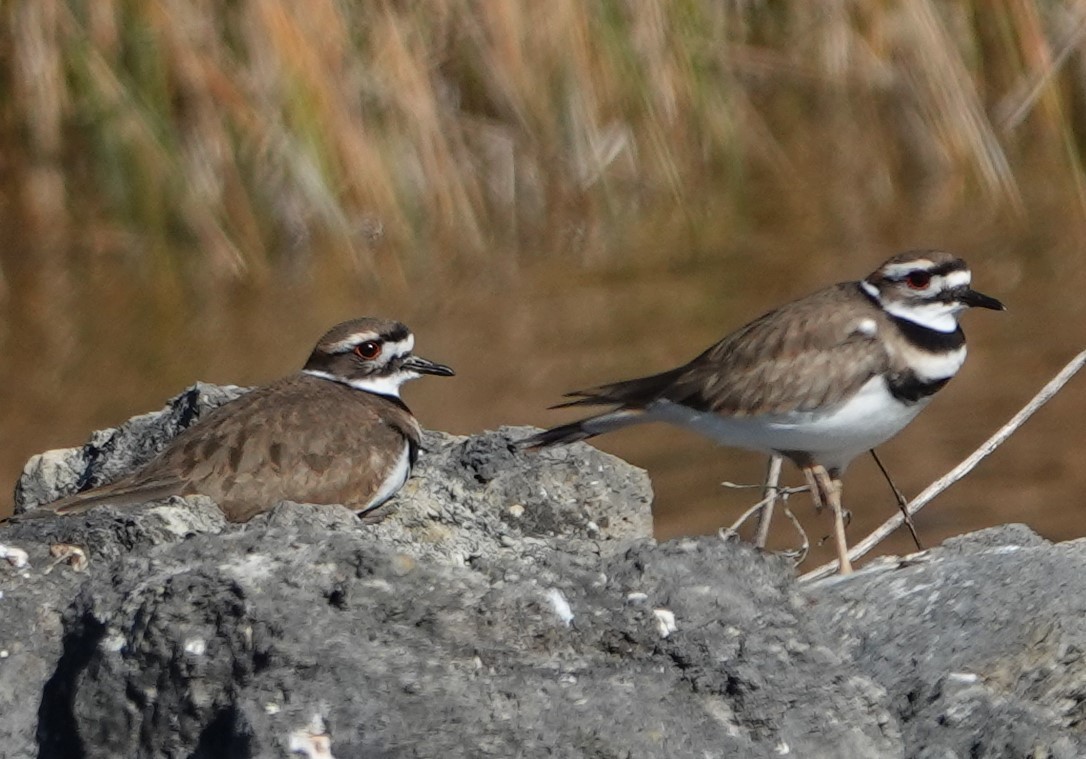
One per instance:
[(509, 604)]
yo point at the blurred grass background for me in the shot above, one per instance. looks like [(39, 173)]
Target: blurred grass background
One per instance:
[(398, 134), (553, 194)]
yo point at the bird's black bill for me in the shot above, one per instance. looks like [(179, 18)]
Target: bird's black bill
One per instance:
[(980, 300), (422, 366)]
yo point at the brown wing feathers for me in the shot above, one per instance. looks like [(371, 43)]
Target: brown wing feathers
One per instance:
[(799, 357), (123, 492), (635, 392), (223, 456)]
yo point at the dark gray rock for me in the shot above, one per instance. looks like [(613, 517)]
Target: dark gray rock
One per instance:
[(982, 644), (511, 604)]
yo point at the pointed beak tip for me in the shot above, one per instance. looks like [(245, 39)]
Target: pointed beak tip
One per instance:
[(976, 299), (439, 370), (425, 366)]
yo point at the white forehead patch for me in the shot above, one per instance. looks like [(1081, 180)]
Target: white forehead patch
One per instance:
[(961, 278), (400, 347), (942, 283)]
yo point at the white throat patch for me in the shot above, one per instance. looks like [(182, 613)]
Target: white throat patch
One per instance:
[(388, 385), (941, 317)]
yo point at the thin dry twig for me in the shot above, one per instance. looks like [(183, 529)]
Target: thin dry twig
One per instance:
[(798, 555), (728, 533), (902, 501), (772, 486), (934, 489)]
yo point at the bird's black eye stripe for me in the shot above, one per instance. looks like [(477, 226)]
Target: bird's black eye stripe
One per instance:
[(943, 269), (914, 275), (935, 271)]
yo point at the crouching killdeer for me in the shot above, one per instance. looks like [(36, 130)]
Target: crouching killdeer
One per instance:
[(336, 432), (818, 381)]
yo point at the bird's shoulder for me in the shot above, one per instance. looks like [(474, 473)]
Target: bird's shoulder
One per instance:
[(807, 354)]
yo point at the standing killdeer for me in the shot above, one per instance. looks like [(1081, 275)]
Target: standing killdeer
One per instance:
[(819, 380), (336, 432)]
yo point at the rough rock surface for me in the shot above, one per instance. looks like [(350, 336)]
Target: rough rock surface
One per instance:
[(510, 604)]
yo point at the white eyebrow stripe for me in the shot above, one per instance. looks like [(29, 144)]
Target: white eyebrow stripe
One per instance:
[(955, 278), (895, 271), (348, 343)]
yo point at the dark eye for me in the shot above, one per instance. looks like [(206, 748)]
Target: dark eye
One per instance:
[(368, 350), (918, 280)]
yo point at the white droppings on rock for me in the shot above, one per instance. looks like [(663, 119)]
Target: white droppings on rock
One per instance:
[(665, 622), (196, 646), (965, 678), (252, 567), (516, 510), (16, 557), (113, 642), (381, 585), (637, 597), (312, 740), (4, 653), (561, 606), (271, 708)]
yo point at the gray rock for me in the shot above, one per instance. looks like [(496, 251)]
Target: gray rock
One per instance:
[(982, 644), (510, 603)]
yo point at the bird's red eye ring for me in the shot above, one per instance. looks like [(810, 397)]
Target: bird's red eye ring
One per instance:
[(918, 280), (368, 350)]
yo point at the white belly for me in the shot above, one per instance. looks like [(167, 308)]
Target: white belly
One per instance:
[(833, 437), (395, 480)]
